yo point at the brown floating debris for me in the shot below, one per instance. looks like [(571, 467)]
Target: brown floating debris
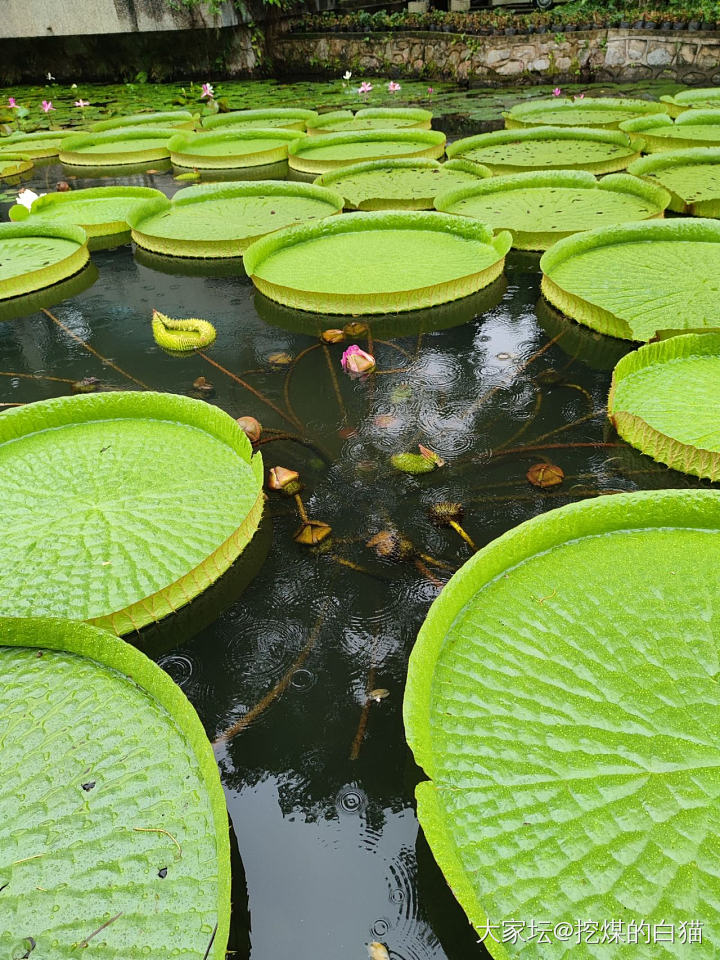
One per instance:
[(379, 694), (204, 387), (545, 475), (391, 545), (280, 359), (86, 385), (356, 328), (332, 336)]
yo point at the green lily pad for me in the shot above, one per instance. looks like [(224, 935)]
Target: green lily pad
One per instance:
[(373, 263), (693, 128), (372, 118), (665, 276), (13, 164), (224, 149), (691, 176), (167, 118), (695, 98), (390, 325), (102, 212), (145, 498), (223, 219), (562, 699), (665, 400), (110, 798), (604, 113), (288, 118), (37, 255), (320, 155), (36, 146), (399, 184), (540, 208), (126, 145), (549, 148)]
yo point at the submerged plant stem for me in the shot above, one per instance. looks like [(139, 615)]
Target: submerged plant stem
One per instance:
[(86, 346), (362, 725), (36, 376), (246, 385), (275, 691), (288, 377), (306, 443), (459, 530), (334, 380)]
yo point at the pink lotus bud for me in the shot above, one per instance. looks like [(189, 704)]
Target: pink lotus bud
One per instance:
[(356, 361), (557, 92)]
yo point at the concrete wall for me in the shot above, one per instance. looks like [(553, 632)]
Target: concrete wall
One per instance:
[(613, 55), (66, 18)]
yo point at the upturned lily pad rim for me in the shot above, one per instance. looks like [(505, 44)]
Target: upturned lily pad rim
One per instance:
[(158, 118), (56, 201), (680, 228), (20, 137), (642, 435), (181, 144), (651, 129), (300, 153), (22, 164), (330, 178), (53, 137), (107, 650), (214, 191), (417, 117), (684, 99), (574, 179), (64, 411), (241, 117), (655, 163), (73, 152), (459, 148), (45, 276), (373, 302), (696, 509), (519, 115)]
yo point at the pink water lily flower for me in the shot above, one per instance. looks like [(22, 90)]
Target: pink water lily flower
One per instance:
[(579, 96), (11, 103), (557, 92), (47, 106), (82, 103), (207, 90), (431, 91), (393, 87), (365, 87), (356, 361)]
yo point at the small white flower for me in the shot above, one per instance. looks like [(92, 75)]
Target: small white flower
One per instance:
[(73, 86), (50, 76), (347, 74), (27, 197)]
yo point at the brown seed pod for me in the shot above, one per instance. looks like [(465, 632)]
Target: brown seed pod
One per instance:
[(252, 428), (284, 481)]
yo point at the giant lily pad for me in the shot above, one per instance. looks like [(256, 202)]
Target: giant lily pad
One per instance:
[(37, 255), (387, 325), (400, 184), (168, 118), (372, 118), (665, 400), (102, 212), (221, 220), (109, 798), (691, 176), (13, 164), (562, 699), (321, 154), (224, 149), (126, 145), (36, 146), (288, 118), (541, 208), (118, 508), (549, 148), (693, 128), (696, 98), (376, 262), (605, 113), (631, 281)]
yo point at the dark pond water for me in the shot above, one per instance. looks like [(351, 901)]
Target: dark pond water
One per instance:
[(319, 780)]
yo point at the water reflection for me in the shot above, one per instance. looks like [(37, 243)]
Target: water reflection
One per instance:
[(280, 666)]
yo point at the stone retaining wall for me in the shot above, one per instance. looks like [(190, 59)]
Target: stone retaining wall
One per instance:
[(600, 55)]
